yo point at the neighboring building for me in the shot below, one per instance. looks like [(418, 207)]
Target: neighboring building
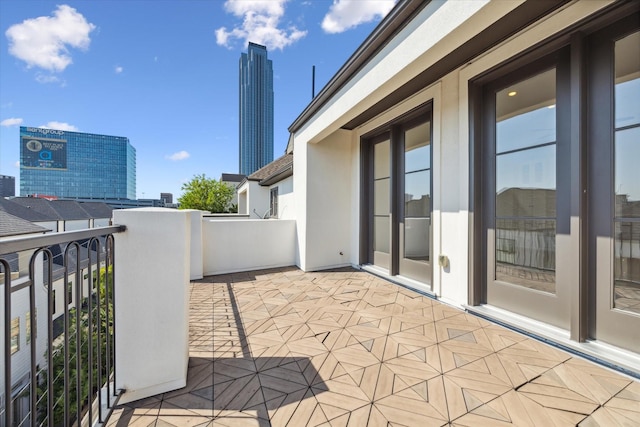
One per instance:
[(99, 213), (268, 192), (232, 180), (58, 215), (11, 226), (7, 186), (256, 109), (167, 198), (76, 165), (505, 136), (37, 210)]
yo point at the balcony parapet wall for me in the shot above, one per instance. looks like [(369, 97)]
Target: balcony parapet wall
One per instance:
[(153, 259), (232, 245)]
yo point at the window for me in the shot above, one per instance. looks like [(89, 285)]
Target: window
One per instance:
[(525, 188), (27, 321), (626, 182), (273, 207), (15, 335)]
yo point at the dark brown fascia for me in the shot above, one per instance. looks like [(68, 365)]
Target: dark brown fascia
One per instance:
[(398, 18), (395, 21), (283, 173)]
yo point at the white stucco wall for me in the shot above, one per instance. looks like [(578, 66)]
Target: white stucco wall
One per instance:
[(242, 199), (195, 244), (328, 202), (286, 207), (151, 307), (253, 199), (300, 162), (231, 245)]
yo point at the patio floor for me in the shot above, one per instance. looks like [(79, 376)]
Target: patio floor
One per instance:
[(346, 348)]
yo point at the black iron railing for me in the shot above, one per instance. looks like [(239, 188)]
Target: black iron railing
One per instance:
[(59, 328)]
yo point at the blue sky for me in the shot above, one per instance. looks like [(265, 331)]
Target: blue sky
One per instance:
[(164, 73)]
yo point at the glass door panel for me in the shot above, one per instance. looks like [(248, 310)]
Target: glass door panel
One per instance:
[(521, 252), (618, 205), (382, 204), (626, 252), (415, 224), (526, 183)]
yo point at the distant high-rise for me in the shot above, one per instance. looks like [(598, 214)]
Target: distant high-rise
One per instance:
[(76, 165), (7, 186), (256, 109)]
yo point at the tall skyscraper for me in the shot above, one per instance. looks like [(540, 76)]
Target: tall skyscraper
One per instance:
[(256, 109), (76, 165)]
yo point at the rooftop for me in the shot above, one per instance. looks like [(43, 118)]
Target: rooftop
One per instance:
[(41, 206), (39, 210), (23, 212), (11, 225), (269, 172), (284, 347)]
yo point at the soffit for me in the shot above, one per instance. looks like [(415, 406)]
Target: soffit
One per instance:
[(516, 20)]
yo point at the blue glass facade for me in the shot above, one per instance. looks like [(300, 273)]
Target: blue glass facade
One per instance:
[(256, 109), (76, 165)]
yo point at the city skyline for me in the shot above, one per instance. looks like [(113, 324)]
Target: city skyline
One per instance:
[(165, 77)]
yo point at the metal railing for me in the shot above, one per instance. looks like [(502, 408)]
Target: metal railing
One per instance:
[(67, 376)]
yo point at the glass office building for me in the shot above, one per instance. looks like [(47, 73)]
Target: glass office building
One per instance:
[(76, 165), (256, 109)]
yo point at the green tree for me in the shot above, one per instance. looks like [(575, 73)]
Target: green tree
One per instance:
[(206, 194)]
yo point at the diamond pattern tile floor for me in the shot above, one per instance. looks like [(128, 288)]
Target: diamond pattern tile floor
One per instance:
[(345, 348)]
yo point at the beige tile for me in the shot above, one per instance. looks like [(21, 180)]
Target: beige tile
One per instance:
[(184, 421), (514, 408), (455, 354), (409, 412), (307, 412), (375, 355), (280, 415), (605, 417), (558, 398)]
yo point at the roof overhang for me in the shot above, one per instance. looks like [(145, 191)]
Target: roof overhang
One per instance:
[(514, 21), (278, 176)]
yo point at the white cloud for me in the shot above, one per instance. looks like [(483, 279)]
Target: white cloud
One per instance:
[(118, 69), (261, 24), (180, 155), (17, 164), (43, 42), (346, 14), (14, 121), (60, 126), (48, 78)]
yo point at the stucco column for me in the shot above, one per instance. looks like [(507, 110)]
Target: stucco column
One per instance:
[(152, 271)]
